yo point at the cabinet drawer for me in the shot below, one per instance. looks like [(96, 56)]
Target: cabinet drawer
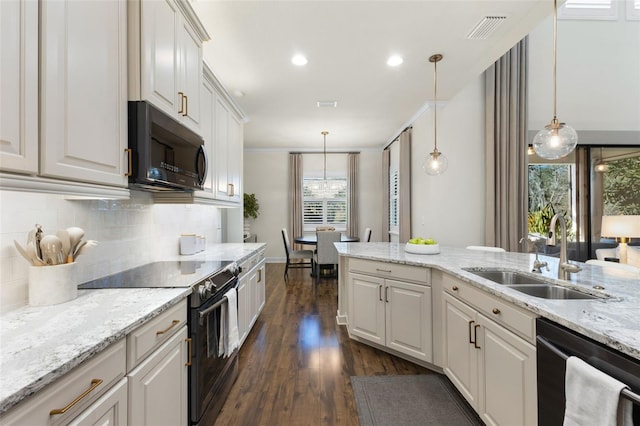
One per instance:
[(501, 311), (91, 379), (391, 270), (143, 340)]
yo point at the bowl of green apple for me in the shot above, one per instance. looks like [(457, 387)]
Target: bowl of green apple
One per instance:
[(422, 246)]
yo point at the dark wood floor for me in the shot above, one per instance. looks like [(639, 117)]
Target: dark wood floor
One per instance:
[(296, 363)]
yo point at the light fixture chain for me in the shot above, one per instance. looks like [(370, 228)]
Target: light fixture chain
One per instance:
[(555, 48), (435, 105)]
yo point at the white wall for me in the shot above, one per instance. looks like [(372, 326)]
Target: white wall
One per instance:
[(598, 75), (130, 233), (266, 175), (450, 207)]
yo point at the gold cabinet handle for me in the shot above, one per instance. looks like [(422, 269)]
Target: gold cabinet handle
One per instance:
[(129, 152), (475, 335), (190, 343), (470, 324), (186, 105), (496, 311), (94, 384), (454, 288), (173, 324), (181, 103)]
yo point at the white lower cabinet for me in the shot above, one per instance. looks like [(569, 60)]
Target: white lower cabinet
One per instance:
[(89, 392), (158, 386), (109, 410), (494, 369), (391, 313), (251, 293)]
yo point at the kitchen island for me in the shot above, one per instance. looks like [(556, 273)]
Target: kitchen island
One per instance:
[(468, 314), (612, 321), (39, 345)]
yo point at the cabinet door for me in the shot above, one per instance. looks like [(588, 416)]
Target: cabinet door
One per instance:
[(160, 22), (191, 75), (253, 296), (109, 410), (234, 157), (367, 313), (158, 386), (408, 319), (243, 309), (19, 86), (222, 149), (207, 114), (460, 355), (261, 287), (83, 91), (508, 373)]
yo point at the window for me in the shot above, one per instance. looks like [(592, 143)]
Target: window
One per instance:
[(322, 206), (550, 192), (589, 9)]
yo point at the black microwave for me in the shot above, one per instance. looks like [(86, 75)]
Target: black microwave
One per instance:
[(165, 155)]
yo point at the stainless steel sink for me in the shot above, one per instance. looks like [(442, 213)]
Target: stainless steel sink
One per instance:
[(508, 277), (532, 286), (549, 291)]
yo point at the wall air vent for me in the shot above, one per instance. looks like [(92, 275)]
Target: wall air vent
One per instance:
[(327, 104), (485, 27)]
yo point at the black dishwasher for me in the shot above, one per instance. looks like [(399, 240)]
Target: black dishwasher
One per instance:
[(554, 344)]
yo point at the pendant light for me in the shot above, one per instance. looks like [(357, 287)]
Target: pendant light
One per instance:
[(557, 139), (326, 188), (436, 163), (601, 166)]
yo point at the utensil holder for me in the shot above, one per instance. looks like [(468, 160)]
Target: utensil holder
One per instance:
[(50, 285)]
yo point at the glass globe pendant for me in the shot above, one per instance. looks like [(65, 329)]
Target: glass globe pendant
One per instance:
[(557, 139), (436, 163)]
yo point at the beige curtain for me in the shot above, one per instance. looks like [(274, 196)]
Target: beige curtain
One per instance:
[(404, 195), (352, 194), (386, 156), (506, 149), (295, 197)]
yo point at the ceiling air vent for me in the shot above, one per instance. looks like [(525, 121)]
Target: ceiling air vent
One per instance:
[(327, 104), (485, 27)]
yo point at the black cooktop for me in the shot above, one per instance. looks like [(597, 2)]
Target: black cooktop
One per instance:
[(169, 274)]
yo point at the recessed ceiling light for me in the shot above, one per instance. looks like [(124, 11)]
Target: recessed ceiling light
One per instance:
[(394, 60), (327, 104), (299, 60)]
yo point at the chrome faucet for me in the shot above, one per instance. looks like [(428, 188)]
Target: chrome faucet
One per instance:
[(564, 267), (537, 263)]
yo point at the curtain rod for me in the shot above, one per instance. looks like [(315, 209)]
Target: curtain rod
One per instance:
[(321, 152)]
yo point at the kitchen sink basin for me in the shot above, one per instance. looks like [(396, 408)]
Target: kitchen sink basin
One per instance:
[(549, 291), (508, 277), (532, 286)]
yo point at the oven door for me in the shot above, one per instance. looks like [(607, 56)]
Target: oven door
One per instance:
[(212, 373)]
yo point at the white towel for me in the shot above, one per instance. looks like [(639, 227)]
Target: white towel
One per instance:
[(229, 335), (593, 397)]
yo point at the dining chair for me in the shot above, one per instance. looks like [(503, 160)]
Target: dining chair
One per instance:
[(297, 255), (326, 253), (486, 248), (367, 235)]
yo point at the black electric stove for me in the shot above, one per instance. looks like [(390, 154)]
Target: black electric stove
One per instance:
[(171, 274)]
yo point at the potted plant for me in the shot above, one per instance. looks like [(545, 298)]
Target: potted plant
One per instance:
[(251, 210)]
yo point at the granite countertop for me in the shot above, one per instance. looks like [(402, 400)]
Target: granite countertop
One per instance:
[(613, 321), (40, 344)]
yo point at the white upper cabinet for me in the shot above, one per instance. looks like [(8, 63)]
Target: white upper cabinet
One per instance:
[(83, 126), (19, 86), (165, 57)]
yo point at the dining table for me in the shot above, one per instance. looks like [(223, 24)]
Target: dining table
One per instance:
[(312, 239)]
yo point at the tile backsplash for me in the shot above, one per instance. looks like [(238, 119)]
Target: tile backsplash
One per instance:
[(130, 233)]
